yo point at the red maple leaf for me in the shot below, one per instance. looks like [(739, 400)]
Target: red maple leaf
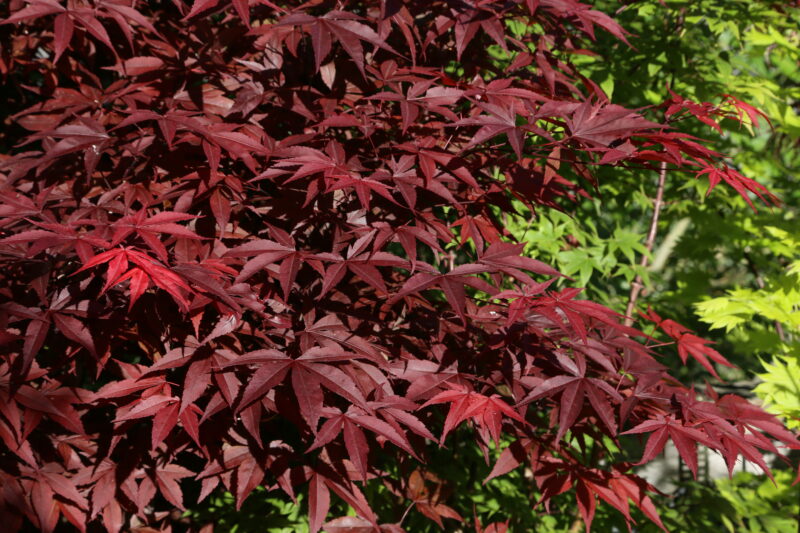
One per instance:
[(486, 412)]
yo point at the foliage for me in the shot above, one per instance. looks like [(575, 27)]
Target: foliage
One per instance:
[(747, 503), (702, 51), (260, 512), (767, 321), (775, 301), (262, 245), (761, 505)]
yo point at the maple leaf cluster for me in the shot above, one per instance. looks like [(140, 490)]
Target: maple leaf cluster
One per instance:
[(223, 254)]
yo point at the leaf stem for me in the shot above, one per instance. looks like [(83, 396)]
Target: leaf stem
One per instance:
[(636, 286), (402, 518)]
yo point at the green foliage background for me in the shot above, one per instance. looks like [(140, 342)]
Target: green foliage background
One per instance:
[(730, 273)]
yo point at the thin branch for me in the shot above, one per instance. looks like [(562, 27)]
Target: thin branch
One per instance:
[(760, 283), (636, 286)]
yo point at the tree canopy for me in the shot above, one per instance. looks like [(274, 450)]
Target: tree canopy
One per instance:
[(349, 263)]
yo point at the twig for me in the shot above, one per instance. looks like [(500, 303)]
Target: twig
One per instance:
[(760, 284), (636, 286)]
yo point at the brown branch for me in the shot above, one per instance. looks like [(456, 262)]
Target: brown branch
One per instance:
[(636, 286), (760, 283)]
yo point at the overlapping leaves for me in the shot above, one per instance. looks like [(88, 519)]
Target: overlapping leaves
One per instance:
[(244, 244)]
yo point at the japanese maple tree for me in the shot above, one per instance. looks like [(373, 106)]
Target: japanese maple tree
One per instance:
[(260, 243)]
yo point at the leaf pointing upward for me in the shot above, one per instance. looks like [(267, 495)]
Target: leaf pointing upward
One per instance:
[(340, 26)]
